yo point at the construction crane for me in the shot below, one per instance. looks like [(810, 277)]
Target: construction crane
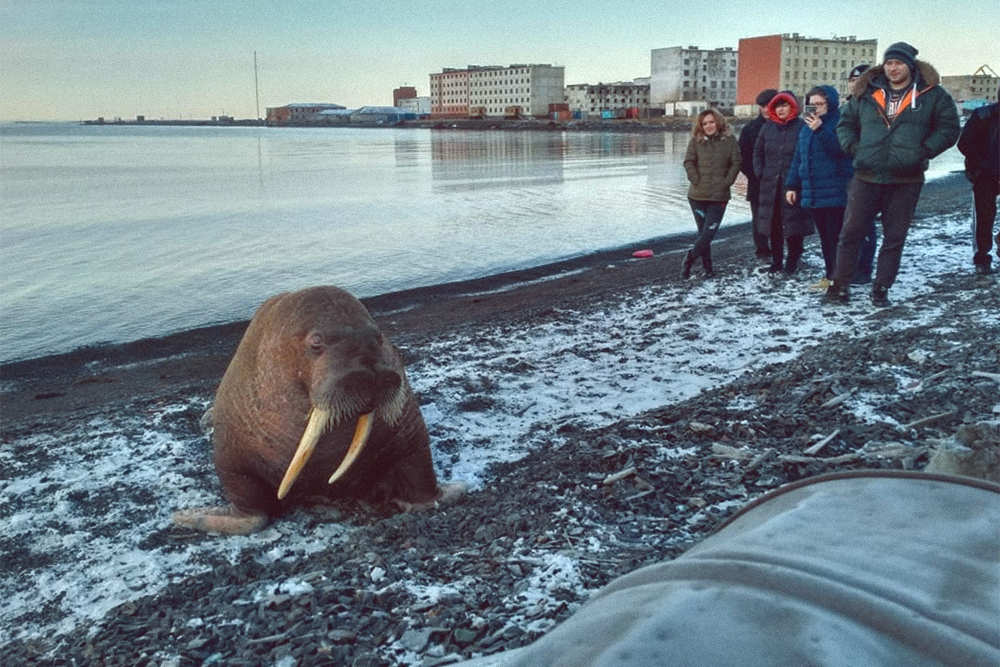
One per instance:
[(985, 70)]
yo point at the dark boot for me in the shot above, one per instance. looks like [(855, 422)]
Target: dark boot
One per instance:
[(686, 265), (707, 263), (880, 296), (836, 293)]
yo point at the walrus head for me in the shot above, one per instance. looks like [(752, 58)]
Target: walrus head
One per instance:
[(350, 378)]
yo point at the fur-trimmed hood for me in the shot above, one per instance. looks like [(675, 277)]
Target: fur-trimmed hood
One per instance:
[(926, 77)]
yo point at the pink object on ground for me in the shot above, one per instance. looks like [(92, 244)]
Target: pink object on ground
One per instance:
[(643, 253)]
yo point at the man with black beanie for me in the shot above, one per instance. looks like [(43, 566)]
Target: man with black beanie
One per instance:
[(898, 119), (748, 136)]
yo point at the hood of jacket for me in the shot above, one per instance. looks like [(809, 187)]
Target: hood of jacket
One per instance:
[(782, 97), (832, 97), (832, 105), (925, 77)]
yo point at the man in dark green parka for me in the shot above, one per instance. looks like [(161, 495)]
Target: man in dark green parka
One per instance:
[(898, 119)]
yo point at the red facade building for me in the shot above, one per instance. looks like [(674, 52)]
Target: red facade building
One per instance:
[(759, 67), (403, 93)]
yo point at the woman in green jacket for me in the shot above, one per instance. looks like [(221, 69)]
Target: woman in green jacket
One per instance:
[(712, 164)]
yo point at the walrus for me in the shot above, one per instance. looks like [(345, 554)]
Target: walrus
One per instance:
[(315, 403)]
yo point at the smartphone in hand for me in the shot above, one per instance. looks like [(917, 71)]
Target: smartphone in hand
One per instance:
[(809, 110)]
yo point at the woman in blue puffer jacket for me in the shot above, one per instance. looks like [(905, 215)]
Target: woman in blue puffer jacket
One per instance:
[(817, 179)]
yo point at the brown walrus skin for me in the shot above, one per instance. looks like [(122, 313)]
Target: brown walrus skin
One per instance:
[(315, 348)]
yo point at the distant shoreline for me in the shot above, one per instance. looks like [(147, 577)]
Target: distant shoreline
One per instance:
[(662, 124)]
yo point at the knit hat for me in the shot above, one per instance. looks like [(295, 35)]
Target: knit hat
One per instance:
[(766, 96), (857, 71), (903, 52)]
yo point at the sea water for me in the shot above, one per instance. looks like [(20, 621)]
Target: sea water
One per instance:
[(116, 233)]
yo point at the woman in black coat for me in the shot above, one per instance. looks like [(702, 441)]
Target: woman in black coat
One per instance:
[(773, 151)]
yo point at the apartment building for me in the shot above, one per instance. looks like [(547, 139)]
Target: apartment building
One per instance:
[(982, 85), (450, 93), (592, 99), (682, 74), (494, 90), (797, 63)]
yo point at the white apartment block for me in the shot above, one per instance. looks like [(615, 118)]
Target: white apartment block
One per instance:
[(592, 99), (526, 90), (679, 74), (808, 62)]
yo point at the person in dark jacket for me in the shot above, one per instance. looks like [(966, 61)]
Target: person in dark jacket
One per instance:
[(980, 144), (772, 158), (817, 180), (712, 164), (898, 119), (866, 260), (748, 136)]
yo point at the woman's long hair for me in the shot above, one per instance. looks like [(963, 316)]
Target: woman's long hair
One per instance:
[(722, 127)]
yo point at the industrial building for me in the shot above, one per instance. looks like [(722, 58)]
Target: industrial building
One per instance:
[(494, 90), (298, 112), (688, 74), (585, 99), (403, 93), (797, 63), (418, 105), (972, 90)]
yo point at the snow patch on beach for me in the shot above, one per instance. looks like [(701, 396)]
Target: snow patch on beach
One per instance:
[(510, 390), (86, 510)]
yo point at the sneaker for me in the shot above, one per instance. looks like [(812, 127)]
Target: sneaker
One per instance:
[(686, 265), (836, 294), (821, 285), (984, 269), (880, 296)]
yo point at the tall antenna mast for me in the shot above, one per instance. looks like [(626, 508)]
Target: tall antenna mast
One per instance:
[(256, 84)]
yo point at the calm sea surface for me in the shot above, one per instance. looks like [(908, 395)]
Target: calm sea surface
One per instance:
[(115, 233)]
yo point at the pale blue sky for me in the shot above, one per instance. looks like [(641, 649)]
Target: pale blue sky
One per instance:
[(74, 59)]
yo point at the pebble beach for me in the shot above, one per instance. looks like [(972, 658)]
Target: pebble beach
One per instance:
[(604, 414)]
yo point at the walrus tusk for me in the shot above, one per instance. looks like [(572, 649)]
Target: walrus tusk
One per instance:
[(318, 421), (361, 433)]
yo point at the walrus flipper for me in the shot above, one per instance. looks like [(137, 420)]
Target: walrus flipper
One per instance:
[(226, 520)]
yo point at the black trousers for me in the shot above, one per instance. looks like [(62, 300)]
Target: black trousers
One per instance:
[(795, 243), (760, 240), (829, 222), (708, 217), (896, 202), (984, 215)]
